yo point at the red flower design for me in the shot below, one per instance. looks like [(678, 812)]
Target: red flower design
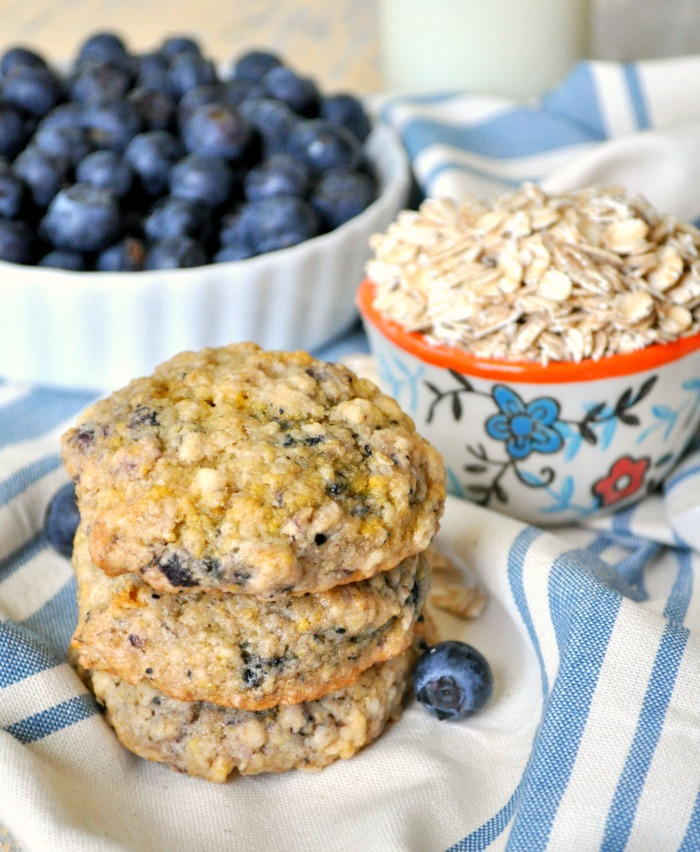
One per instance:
[(624, 478)]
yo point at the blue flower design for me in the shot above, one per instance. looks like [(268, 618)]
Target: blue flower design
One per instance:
[(525, 428)]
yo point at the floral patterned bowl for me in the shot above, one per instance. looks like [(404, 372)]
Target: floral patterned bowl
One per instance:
[(548, 445)]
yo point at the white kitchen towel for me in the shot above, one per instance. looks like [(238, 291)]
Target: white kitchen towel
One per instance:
[(592, 738)]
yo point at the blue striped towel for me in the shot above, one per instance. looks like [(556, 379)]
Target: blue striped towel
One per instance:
[(592, 738)]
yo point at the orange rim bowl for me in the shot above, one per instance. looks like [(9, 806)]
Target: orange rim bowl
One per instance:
[(527, 372)]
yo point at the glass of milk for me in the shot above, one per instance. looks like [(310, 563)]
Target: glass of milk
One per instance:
[(515, 48)]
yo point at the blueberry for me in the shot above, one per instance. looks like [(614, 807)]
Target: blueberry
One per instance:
[(175, 253), (453, 680), (73, 261), (42, 173), (237, 91), (171, 218), (255, 64), (205, 179), (111, 125), (82, 217), (216, 130), (149, 63), (107, 170), (64, 115), (234, 251), (299, 93), (11, 191), (13, 132), (104, 47), (125, 256), (340, 194), (212, 93), (157, 80), (277, 222), (175, 45), (62, 519), (69, 143), (33, 90), (99, 83), (281, 174), (154, 108), (347, 111), (322, 145), (230, 231), (16, 241), (273, 120), (20, 56), (152, 155), (189, 70)]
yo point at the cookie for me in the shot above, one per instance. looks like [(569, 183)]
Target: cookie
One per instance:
[(203, 739), (248, 471), (239, 651)]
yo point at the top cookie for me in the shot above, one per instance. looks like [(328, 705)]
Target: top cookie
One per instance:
[(250, 471)]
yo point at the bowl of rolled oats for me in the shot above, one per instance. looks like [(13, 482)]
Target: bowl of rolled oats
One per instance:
[(548, 345)]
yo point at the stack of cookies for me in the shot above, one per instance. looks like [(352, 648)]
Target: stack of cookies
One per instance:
[(250, 559)]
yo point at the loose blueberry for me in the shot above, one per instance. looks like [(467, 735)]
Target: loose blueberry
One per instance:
[(107, 170), (323, 145), (273, 120), (347, 111), (73, 261), (234, 251), (42, 173), (176, 253), (299, 93), (69, 143), (175, 45), (16, 241), (20, 56), (82, 217), (99, 83), (154, 108), (189, 70), (13, 132), (216, 130), (340, 194), (205, 179), (281, 174), (126, 256), (453, 680), (11, 191), (152, 155), (277, 223), (62, 519), (34, 90), (111, 125), (104, 47), (171, 218), (255, 64)]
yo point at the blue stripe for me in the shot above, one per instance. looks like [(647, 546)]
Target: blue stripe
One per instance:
[(576, 101), (691, 840), (681, 593), (646, 737), (634, 85), (484, 836), (54, 719), (521, 132), (38, 412), (681, 476), (22, 555), (583, 613), (22, 479), (22, 655), (55, 621), (516, 560)]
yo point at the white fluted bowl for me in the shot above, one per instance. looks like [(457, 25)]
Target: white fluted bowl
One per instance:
[(97, 330)]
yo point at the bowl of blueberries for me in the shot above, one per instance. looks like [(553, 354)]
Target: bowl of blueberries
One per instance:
[(156, 202)]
